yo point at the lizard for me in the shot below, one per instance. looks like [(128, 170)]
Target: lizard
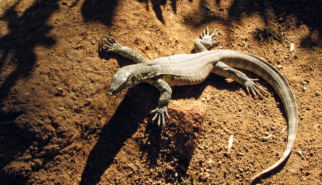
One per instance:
[(190, 69)]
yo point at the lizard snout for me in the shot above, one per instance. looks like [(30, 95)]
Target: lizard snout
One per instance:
[(111, 92)]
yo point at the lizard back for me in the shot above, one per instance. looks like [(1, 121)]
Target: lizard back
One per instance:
[(186, 69)]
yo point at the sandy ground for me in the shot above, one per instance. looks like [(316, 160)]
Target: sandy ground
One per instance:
[(73, 132)]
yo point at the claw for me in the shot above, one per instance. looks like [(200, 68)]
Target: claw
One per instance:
[(247, 89), (108, 43), (258, 93), (253, 92), (255, 79), (163, 121), (158, 119), (155, 116), (166, 113), (159, 114), (261, 89), (252, 87), (213, 33)]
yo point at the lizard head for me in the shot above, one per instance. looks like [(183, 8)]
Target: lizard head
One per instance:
[(122, 79)]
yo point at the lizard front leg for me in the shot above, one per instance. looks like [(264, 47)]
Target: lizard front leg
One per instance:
[(205, 42), (224, 70), (165, 96), (109, 44)]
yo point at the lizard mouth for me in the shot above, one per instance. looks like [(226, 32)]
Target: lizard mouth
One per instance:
[(114, 90)]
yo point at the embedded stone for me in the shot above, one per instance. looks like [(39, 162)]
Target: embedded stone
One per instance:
[(186, 119)]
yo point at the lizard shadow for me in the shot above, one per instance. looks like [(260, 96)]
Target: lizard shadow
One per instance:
[(123, 124), (122, 61)]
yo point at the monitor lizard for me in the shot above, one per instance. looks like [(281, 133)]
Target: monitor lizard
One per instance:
[(190, 69)]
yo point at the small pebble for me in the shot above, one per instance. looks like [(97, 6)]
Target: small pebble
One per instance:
[(299, 152), (208, 97), (267, 138), (291, 47)]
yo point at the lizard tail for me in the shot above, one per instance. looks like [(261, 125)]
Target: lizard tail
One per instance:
[(278, 82)]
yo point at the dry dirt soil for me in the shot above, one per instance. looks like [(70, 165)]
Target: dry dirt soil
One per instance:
[(73, 132)]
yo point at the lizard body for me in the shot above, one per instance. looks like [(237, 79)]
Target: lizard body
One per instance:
[(190, 69)]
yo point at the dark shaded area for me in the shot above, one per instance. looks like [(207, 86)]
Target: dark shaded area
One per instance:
[(17, 48), (122, 61), (99, 10), (25, 33), (289, 13), (102, 10), (304, 12), (156, 5), (14, 141), (120, 127)]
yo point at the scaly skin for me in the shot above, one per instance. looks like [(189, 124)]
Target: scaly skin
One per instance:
[(193, 69)]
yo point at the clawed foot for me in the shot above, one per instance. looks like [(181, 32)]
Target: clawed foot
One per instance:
[(109, 44), (208, 38), (159, 113), (252, 87)]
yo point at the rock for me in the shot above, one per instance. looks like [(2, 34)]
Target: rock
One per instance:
[(187, 120)]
